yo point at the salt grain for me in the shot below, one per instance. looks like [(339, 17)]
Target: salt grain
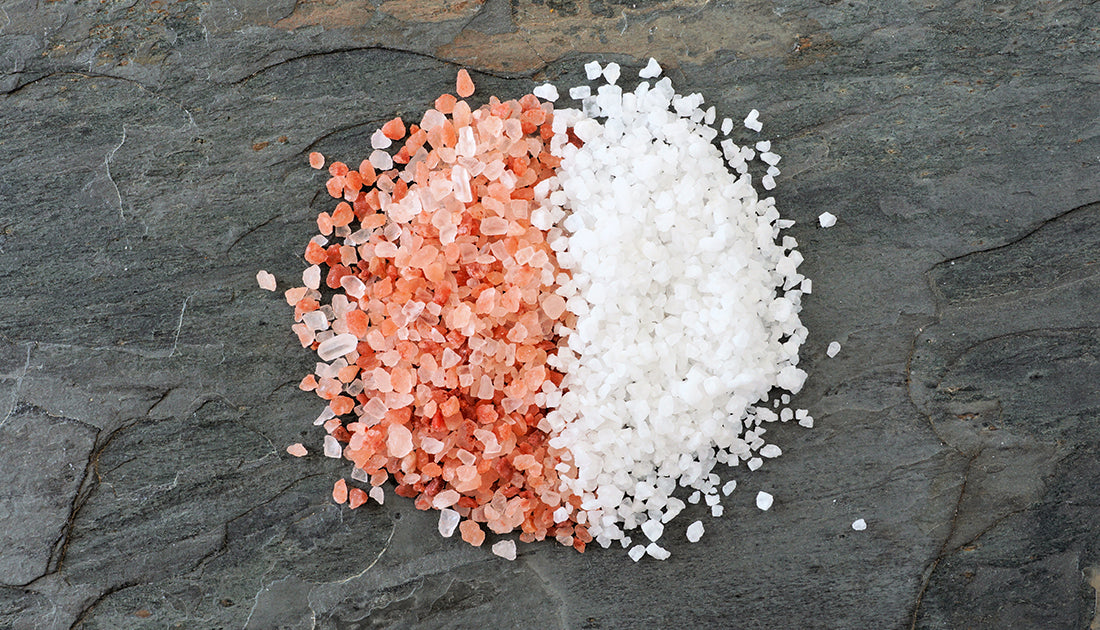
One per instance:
[(752, 122), (448, 522), (826, 219), (695, 531), (505, 549), (546, 91), (763, 500), (833, 349), (265, 280), (859, 525)]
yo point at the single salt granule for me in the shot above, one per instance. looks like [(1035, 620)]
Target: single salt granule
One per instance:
[(448, 521), (770, 451), (859, 525), (653, 529), (505, 549), (764, 500), (727, 126), (265, 280), (716, 510), (752, 122), (611, 72), (378, 494), (755, 463), (656, 551), (833, 349), (546, 91), (730, 486), (592, 70), (826, 219), (695, 531), (651, 70), (636, 552), (333, 448), (297, 450)]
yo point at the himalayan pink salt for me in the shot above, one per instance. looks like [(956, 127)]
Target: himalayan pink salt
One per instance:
[(297, 450)]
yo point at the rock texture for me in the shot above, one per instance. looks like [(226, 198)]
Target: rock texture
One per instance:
[(155, 159)]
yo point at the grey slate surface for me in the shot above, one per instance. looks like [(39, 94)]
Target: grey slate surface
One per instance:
[(155, 160)]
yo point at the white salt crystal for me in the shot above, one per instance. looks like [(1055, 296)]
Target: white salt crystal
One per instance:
[(265, 280), (764, 146), (448, 521), (755, 463), (653, 529), (611, 72), (377, 494), (833, 349), (770, 451), (826, 219), (727, 126), (505, 549), (337, 346), (695, 531), (580, 92), (651, 70), (333, 448), (768, 157), (751, 121), (729, 487), (592, 70), (378, 140), (768, 181), (445, 499), (716, 510), (656, 551), (764, 500), (546, 91), (636, 552), (381, 160), (311, 277), (859, 525)]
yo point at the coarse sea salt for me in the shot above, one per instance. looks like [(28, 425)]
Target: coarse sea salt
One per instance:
[(859, 525), (764, 500), (695, 531), (827, 219), (833, 349)]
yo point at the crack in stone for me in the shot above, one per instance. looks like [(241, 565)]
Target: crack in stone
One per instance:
[(18, 386), (107, 165)]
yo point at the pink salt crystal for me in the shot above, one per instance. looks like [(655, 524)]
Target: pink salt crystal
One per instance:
[(265, 280), (450, 358), (297, 450), (445, 499), (399, 441), (505, 549), (553, 305), (494, 226), (340, 491), (316, 160)]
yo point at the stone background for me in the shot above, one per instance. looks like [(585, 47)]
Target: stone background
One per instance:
[(155, 160)]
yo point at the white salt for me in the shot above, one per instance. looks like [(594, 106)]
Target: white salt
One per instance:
[(546, 91), (337, 346), (448, 521), (763, 500), (611, 72), (656, 551), (727, 126), (826, 219), (653, 529), (770, 451), (378, 140), (377, 494), (592, 69), (651, 70), (333, 448), (636, 552), (859, 525), (833, 349), (265, 280), (695, 531), (505, 549), (729, 487), (752, 122)]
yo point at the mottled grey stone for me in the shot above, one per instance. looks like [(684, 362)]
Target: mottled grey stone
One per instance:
[(156, 159)]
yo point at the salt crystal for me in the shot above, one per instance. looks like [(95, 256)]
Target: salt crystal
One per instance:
[(592, 70), (651, 70), (763, 500), (695, 531), (505, 549), (636, 552), (311, 277), (546, 91), (657, 552), (448, 522), (611, 72), (399, 440), (770, 451), (265, 280), (653, 529), (755, 463), (752, 122), (826, 219), (833, 349), (580, 92), (859, 525), (378, 140), (297, 450), (729, 487), (716, 510), (337, 346), (727, 126), (377, 494), (333, 448)]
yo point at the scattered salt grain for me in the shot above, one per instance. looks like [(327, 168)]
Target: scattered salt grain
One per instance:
[(636, 552), (826, 219), (333, 448), (763, 500), (833, 349), (651, 70), (695, 531), (592, 70), (656, 551), (265, 280), (448, 522), (770, 451), (377, 494), (716, 510), (755, 463), (653, 529), (729, 487), (752, 122), (505, 549), (859, 525), (727, 126), (611, 72), (546, 91), (297, 449)]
